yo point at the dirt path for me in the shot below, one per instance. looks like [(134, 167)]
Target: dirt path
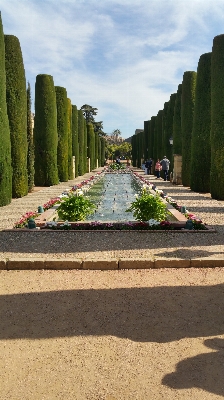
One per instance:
[(112, 335)]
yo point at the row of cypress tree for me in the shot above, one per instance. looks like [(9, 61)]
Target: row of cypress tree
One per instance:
[(194, 118), (42, 156)]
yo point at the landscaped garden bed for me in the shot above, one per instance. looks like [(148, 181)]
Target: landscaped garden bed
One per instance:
[(176, 221)]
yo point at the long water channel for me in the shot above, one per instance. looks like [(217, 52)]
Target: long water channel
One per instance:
[(112, 195)]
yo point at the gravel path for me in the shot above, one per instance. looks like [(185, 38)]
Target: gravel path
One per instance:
[(114, 245), (113, 335)]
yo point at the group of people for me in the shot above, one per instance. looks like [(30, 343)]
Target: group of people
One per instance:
[(162, 165)]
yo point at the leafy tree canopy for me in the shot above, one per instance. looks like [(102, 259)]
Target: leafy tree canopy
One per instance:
[(89, 112), (122, 150)]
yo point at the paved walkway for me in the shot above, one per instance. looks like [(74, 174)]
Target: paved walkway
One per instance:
[(113, 249), (113, 335)]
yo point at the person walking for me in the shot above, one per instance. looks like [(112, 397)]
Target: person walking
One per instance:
[(165, 163), (158, 168)]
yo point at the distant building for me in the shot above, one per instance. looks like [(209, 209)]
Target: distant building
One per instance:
[(111, 139)]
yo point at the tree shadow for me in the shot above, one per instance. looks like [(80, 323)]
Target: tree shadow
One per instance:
[(157, 314), (205, 371), (90, 241)]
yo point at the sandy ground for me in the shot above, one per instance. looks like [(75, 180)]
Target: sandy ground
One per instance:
[(113, 335), (135, 334)]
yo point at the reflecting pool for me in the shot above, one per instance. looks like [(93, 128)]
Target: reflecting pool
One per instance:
[(112, 195)]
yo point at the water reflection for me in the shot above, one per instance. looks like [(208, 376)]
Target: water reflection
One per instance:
[(112, 195)]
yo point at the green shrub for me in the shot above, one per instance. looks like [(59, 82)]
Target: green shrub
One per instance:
[(81, 134), (91, 144), (147, 207), (75, 208)]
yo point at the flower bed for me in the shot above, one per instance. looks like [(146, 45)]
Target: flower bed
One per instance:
[(194, 223)]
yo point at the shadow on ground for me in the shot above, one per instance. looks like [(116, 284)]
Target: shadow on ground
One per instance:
[(157, 314), (204, 371), (52, 242)]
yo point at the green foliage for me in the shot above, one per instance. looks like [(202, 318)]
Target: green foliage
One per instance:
[(117, 166), (16, 98), (5, 148), (158, 136), (30, 151), (217, 119), (201, 143), (187, 113), (134, 153), (70, 159), (91, 145), (81, 133), (99, 152), (45, 132), (89, 112), (75, 139), (102, 140), (75, 208), (147, 135), (96, 149), (147, 207), (177, 137), (62, 127)]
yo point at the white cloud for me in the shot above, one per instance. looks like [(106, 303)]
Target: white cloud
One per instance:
[(124, 57)]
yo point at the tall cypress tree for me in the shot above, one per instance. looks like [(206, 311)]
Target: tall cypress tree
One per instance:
[(99, 152), (86, 166), (62, 127), (75, 139), (16, 98), (170, 115), (5, 148), (96, 149), (102, 151), (177, 137), (81, 133), (70, 160), (217, 119), (45, 132), (187, 114), (30, 151), (200, 142), (158, 136), (165, 142), (134, 154), (152, 136), (146, 133), (91, 144)]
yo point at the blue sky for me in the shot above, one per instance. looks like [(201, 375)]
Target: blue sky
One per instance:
[(124, 57)]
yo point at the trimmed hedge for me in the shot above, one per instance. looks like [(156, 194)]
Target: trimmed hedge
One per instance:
[(217, 119), (152, 136), (134, 153), (91, 144), (75, 139), (99, 152), (30, 151), (70, 159), (200, 142), (169, 132), (5, 148), (103, 147), (187, 114), (62, 127), (158, 136), (81, 133), (177, 136), (96, 150), (147, 136), (45, 132), (16, 98)]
